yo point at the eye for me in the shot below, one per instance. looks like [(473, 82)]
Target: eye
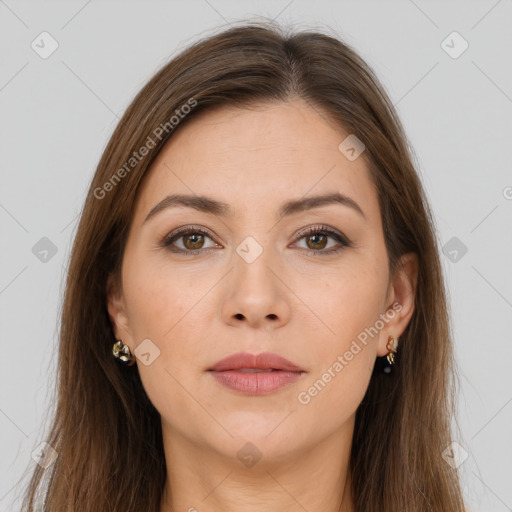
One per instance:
[(192, 240), (317, 239)]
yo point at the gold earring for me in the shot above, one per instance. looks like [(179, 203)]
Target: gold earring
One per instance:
[(122, 353), (392, 350)]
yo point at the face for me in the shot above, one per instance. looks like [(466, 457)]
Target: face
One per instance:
[(245, 276)]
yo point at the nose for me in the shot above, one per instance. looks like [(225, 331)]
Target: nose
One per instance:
[(256, 294)]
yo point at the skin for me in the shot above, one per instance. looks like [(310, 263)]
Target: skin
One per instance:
[(301, 304)]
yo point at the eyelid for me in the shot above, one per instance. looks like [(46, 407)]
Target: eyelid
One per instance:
[(319, 228), (342, 240), (188, 229), (184, 230)]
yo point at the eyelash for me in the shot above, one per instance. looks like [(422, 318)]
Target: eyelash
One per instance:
[(313, 230)]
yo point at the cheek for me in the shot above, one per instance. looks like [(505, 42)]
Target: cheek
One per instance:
[(332, 396), (159, 297), (348, 305), (165, 307), (347, 302)]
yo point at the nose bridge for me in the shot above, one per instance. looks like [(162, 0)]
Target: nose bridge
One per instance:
[(251, 260), (255, 294)]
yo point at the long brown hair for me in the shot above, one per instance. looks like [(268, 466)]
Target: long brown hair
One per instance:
[(106, 432)]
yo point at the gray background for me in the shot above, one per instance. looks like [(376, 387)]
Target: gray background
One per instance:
[(58, 113)]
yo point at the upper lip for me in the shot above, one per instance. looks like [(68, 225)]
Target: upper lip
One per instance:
[(264, 361)]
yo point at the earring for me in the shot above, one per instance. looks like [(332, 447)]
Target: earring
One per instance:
[(122, 353), (390, 356)]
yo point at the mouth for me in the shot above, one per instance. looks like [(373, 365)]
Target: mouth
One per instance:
[(255, 374)]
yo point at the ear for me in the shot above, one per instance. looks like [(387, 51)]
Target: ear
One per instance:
[(400, 301), (117, 311)]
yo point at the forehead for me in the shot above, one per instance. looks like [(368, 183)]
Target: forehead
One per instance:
[(257, 157)]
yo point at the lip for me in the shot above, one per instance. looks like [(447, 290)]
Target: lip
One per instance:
[(263, 361), (274, 372)]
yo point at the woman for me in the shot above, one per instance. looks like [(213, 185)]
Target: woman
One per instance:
[(254, 315)]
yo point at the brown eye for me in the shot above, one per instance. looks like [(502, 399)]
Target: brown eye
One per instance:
[(188, 240), (193, 241), (316, 241)]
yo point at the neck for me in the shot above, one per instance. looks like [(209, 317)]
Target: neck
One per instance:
[(314, 479)]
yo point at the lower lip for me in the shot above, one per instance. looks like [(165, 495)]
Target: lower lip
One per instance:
[(259, 383)]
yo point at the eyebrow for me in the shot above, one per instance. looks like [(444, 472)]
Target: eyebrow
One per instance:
[(208, 205)]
